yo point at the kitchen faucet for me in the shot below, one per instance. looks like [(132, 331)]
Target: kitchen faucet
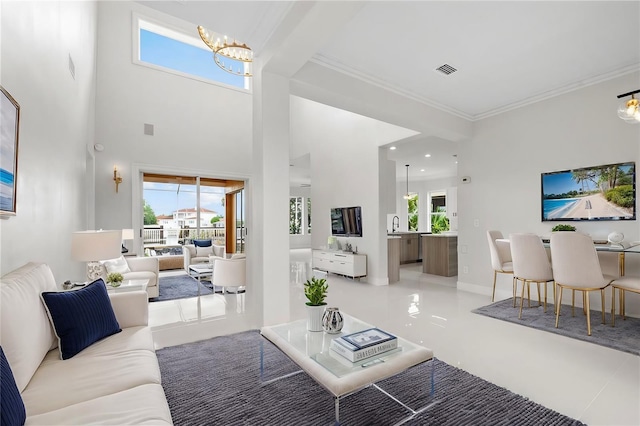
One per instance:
[(394, 225)]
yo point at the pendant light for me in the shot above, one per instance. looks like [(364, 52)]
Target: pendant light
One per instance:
[(408, 196), (629, 110)]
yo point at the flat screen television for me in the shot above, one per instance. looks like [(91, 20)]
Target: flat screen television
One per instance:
[(606, 192), (346, 221)]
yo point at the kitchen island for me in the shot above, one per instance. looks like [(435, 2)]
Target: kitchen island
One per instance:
[(440, 254)]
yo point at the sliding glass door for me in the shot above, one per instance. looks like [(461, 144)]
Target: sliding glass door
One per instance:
[(180, 209)]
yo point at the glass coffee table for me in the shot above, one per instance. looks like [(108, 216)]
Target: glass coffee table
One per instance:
[(200, 271), (129, 285), (310, 351)]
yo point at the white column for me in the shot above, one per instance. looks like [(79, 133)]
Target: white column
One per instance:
[(269, 229)]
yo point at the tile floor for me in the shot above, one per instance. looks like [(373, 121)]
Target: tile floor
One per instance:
[(596, 385)]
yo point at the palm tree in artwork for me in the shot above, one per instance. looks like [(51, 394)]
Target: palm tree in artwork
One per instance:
[(580, 176)]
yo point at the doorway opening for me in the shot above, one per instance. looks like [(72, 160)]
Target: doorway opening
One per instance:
[(179, 210)]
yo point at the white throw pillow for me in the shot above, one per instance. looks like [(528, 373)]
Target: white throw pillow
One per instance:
[(116, 265), (204, 251)]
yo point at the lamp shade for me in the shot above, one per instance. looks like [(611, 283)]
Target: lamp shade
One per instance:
[(88, 246), (127, 234)]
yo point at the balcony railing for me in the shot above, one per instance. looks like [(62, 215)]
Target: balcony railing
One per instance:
[(156, 235)]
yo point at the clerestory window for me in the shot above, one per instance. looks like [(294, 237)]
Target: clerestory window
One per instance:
[(180, 53)]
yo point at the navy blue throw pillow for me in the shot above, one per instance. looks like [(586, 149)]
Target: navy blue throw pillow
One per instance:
[(12, 411), (81, 317), (202, 243)]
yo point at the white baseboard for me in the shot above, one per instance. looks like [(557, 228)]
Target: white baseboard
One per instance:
[(474, 288)]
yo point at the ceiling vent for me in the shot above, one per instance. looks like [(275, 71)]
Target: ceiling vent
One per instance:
[(446, 69)]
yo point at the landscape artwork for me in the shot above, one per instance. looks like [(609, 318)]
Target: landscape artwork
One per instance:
[(9, 124), (605, 192)]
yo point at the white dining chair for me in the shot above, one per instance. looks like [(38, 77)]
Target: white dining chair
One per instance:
[(623, 285), (576, 267), (500, 260), (531, 265)]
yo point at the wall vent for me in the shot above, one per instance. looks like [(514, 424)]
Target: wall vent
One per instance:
[(148, 129), (446, 69)]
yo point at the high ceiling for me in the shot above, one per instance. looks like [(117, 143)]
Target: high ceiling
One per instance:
[(507, 54)]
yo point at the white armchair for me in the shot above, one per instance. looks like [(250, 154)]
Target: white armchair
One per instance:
[(194, 254), (230, 273)]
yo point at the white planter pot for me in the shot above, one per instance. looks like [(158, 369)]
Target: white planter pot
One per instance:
[(314, 318)]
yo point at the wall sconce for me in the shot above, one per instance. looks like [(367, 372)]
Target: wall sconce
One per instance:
[(629, 110), (116, 177)]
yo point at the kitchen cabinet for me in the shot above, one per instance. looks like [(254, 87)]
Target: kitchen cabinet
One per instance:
[(409, 246)]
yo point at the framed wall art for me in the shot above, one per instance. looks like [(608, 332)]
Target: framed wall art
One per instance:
[(9, 127)]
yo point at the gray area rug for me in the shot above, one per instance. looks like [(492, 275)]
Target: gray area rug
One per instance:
[(180, 287), (218, 382), (625, 336)]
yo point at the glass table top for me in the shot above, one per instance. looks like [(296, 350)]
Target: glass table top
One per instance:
[(315, 345)]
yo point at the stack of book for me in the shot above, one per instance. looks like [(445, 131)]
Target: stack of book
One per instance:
[(363, 344)]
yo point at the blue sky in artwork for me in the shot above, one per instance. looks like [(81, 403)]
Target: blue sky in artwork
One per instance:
[(176, 55), (562, 182)]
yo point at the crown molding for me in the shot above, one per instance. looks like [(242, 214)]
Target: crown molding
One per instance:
[(383, 84)]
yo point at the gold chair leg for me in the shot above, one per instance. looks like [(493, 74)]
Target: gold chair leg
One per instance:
[(622, 304), (573, 302), (539, 301), (585, 311), (524, 283), (545, 297), (558, 306), (528, 294), (586, 299), (603, 307), (495, 276), (613, 306), (515, 287)]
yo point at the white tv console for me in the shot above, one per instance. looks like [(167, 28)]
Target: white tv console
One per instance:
[(343, 263)]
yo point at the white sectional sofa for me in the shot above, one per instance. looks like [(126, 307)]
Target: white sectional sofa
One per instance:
[(115, 380)]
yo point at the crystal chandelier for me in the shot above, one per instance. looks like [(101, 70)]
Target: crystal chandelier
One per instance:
[(629, 110), (222, 48)]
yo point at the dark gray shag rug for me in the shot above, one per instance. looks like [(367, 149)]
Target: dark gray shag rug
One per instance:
[(625, 336), (218, 382), (180, 287)]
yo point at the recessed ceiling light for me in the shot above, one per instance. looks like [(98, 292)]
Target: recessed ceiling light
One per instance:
[(422, 170), (427, 155), (456, 162), (392, 148)]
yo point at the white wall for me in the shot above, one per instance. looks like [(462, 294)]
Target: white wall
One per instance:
[(304, 240), (510, 151), (198, 127), (56, 126), (344, 173)]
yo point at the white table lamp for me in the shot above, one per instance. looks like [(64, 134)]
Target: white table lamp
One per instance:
[(93, 246)]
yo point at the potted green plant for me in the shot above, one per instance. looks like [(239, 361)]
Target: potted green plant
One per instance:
[(315, 290), (563, 227), (115, 279)]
